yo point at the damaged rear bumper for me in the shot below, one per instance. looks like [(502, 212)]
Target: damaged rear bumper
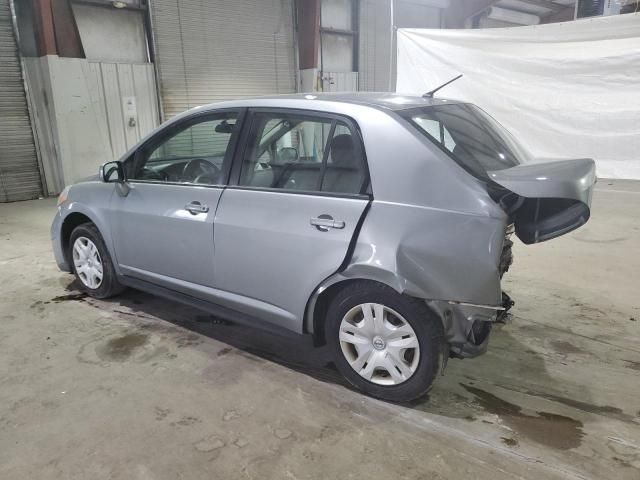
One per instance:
[(467, 327)]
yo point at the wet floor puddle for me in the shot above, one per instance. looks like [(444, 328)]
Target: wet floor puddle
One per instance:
[(69, 297), (565, 348), (121, 348), (632, 365), (550, 429)]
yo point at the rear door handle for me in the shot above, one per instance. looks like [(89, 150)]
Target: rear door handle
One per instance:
[(196, 207), (325, 222)]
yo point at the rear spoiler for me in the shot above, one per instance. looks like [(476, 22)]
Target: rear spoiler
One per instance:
[(554, 196)]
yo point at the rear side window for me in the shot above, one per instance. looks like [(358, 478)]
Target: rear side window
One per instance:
[(304, 153), (468, 135)]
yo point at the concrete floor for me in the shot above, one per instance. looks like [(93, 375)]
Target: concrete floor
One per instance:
[(138, 387)]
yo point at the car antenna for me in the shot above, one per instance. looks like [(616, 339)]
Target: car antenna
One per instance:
[(430, 94)]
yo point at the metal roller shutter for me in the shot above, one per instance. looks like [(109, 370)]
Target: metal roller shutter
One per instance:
[(220, 50), (19, 171)]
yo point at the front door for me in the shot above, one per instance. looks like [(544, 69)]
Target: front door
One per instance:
[(163, 226), (288, 221)]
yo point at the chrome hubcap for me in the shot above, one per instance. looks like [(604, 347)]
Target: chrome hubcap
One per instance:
[(87, 262), (379, 344)]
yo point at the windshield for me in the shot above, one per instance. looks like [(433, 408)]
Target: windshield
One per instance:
[(468, 135)]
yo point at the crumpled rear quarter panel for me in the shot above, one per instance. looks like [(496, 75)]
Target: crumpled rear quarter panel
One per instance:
[(432, 230), (431, 253)]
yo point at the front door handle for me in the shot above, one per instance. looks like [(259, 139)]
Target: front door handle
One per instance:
[(325, 222), (196, 207)]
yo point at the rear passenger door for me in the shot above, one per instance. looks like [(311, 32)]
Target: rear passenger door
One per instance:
[(298, 189)]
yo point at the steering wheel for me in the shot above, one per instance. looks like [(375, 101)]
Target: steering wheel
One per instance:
[(200, 170), (150, 174)]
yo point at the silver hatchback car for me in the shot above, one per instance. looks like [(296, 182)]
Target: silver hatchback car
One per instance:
[(379, 224)]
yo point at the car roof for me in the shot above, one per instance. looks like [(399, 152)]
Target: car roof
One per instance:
[(379, 100)]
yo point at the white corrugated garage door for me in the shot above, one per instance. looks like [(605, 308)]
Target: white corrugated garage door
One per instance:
[(19, 172), (214, 50)]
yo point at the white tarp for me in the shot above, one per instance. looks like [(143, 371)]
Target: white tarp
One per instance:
[(566, 90)]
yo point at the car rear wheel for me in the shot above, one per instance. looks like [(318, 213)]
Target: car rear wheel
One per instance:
[(384, 343), (92, 263)]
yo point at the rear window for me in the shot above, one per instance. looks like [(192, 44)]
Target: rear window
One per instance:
[(469, 136)]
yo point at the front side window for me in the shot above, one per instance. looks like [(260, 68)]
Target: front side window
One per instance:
[(195, 151), (468, 135), (304, 153)]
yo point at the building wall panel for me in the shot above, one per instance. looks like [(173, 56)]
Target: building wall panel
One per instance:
[(82, 118)]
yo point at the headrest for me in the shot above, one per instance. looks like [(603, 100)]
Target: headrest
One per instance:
[(342, 149)]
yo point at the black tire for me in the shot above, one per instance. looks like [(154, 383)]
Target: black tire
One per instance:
[(425, 323), (109, 285)]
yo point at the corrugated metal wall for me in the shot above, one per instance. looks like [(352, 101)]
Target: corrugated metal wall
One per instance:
[(19, 172), (83, 116), (214, 50), (339, 81), (375, 37)]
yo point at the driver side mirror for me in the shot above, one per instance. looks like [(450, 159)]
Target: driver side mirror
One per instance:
[(112, 172), (288, 154), (224, 127)]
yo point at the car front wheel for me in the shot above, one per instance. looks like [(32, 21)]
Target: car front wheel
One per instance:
[(92, 263), (384, 343)]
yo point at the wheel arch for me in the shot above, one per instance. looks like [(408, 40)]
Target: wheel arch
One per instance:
[(70, 222), (319, 301), (77, 215)]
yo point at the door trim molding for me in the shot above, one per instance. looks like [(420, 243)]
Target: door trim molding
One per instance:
[(262, 311), (209, 307)]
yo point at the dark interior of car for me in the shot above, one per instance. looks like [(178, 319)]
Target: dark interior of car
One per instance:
[(271, 165), (187, 170), (343, 172)]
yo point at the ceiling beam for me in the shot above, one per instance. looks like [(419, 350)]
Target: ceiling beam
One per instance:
[(554, 7), (460, 10), (565, 15)]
